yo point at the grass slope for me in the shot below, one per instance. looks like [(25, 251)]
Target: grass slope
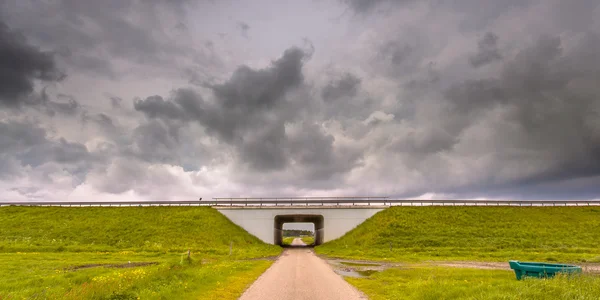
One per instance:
[(160, 229), (474, 233), (42, 248)]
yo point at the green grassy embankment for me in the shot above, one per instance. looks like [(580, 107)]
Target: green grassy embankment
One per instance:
[(565, 234), (411, 234), (96, 253)]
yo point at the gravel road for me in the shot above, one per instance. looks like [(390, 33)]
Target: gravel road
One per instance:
[(300, 274)]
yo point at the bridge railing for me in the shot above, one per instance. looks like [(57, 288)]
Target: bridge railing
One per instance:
[(316, 202), (384, 201), (107, 203)]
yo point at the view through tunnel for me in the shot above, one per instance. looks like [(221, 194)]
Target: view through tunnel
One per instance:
[(316, 220)]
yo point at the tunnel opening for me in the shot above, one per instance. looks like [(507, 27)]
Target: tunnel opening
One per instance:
[(316, 220), (305, 232)]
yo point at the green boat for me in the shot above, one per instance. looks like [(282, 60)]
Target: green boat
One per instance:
[(541, 270)]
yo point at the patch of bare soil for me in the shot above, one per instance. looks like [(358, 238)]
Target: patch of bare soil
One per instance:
[(591, 268), (587, 268), (473, 265), (359, 265), (118, 266), (270, 258)]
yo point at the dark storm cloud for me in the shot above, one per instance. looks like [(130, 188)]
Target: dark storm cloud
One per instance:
[(346, 86), (241, 102), (250, 111), (467, 98), (21, 64), (553, 105), (487, 51), (87, 35), (242, 113), (29, 145)]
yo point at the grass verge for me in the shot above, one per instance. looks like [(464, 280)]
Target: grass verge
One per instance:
[(458, 283), (65, 276), (126, 253)]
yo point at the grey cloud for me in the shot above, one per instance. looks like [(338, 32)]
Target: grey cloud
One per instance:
[(29, 145), (265, 149), (101, 119), (123, 175), (61, 152), (526, 125), (16, 135), (262, 89), (487, 51), (155, 142), (155, 106), (346, 86), (240, 103), (89, 34), (118, 177), (87, 63), (249, 112), (115, 102), (70, 107), (243, 27), (366, 6), (21, 64), (314, 151), (543, 96), (405, 53)]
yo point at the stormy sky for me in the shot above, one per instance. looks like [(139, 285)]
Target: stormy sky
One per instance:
[(179, 99)]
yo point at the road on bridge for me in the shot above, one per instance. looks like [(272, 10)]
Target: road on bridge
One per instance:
[(300, 274)]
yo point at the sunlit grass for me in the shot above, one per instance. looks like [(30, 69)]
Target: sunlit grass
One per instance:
[(146, 229), (309, 240), (287, 240), (42, 251), (458, 283), (564, 234), (52, 276)]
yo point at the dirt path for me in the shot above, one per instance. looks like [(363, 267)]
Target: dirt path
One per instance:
[(298, 242), (300, 274)]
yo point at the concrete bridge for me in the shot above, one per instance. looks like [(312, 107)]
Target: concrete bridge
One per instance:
[(332, 216)]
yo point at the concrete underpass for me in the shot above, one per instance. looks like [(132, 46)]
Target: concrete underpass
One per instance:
[(317, 220), (330, 223)]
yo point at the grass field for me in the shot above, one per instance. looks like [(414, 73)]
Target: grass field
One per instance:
[(309, 240), (565, 234), (287, 240), (457, 283), (97, 253)]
